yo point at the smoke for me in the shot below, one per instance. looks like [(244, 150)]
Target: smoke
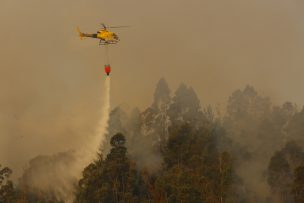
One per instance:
[(48, 95), (55, 176)]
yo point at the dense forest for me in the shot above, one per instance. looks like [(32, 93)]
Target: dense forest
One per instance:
[(179, 151)]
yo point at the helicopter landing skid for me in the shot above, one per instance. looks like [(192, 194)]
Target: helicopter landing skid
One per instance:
[(101, 42)]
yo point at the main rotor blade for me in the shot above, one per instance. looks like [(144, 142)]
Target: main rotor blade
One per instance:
[(123, 26)]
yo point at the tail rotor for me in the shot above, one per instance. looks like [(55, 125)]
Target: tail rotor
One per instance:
[(81, 35)]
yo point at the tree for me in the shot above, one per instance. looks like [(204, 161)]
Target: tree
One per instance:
[(161, 95), (185, 107), (118, 123), (295, 127), (119, 173), (284, 172), (141, 147), (298, 185), (293, 153), (155, 118), (179, 184), (194, 169), (114, 180), (247, 112), (91, 181), (280, 176), (7, 192), (256, 132)]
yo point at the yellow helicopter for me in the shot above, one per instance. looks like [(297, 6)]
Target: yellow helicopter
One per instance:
[(104, 35)]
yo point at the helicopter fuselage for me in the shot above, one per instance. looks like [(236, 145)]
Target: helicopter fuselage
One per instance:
[(105, 36)]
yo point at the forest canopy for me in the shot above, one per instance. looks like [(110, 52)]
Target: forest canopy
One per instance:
[(178, 150)]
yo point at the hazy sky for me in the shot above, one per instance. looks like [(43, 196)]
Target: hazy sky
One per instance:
[(51, 82)]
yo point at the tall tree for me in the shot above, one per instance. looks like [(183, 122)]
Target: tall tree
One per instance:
[(7, 192), (118, 123), (113, 180), (283, 173), (161, 95), (185, 107), (280, 177), (295, 127), (91, 182), (155, 118), (246, 112), (194, 169), (298, 185)]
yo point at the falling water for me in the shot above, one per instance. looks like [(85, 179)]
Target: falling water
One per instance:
[(88, 153)]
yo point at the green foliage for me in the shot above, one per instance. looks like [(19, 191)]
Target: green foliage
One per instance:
[(111, 180), (161, 95), (117, 124), (194, 170), (175, 151), (295, 127), (118, 141), (179, 184), (7, 193), (285, 171), (298, 185), (280, 176), (186, 108)]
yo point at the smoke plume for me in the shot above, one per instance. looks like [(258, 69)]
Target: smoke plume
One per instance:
[(55, 176)]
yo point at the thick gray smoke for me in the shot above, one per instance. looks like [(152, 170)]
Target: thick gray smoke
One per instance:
[(57, 175), (48, 94)]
